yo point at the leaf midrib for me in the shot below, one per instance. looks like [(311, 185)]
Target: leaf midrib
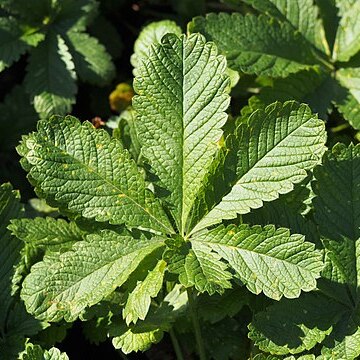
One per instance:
[(105, 180), (237, 249)]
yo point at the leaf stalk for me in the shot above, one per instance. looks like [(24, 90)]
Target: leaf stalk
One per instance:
[(196, 325), (176, 345)]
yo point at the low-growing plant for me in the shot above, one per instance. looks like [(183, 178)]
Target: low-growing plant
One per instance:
[(236, 236)]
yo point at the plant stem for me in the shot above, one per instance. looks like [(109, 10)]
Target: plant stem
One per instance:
[(196, 325), (176, 345)]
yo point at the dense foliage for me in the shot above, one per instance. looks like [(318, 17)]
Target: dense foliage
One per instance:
[(218, 212)]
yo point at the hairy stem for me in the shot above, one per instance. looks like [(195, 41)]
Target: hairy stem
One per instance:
[(196, 325), (176, 345)]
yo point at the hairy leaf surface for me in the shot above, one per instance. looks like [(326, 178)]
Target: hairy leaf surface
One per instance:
[(199, 267), (62, 285), (180, 110), (81, 168), (47, 232), (257, 45), (266, 259), (138, 302), (274, 151), (303, 15)]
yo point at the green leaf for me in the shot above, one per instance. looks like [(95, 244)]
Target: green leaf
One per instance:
[(217, 307), (348, 102), (92, 63), (341, 276), (138, 302), (46, 233), (287, 211), (15, 322), (199, 267), (347, 41), (151, 34), (35, 352), (180, 110), (266, 259), (337, 204), (107, 34), (273, 152), (62, 286), (9, 248), (140, 336), (50, 80), (14, 41), (303, 86), (293, 326), (257, 45), (303, 15), (274, 357), (344, 341), (81, 168), (72, 15)]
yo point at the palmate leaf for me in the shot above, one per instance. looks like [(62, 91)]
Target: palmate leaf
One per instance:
[(50, 80), (80, 168), (265, 259), (274, 151), (337, 204), (151, 34), (292, 326), (257, 45), (63, 285), (347, 41), (180, 110)]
